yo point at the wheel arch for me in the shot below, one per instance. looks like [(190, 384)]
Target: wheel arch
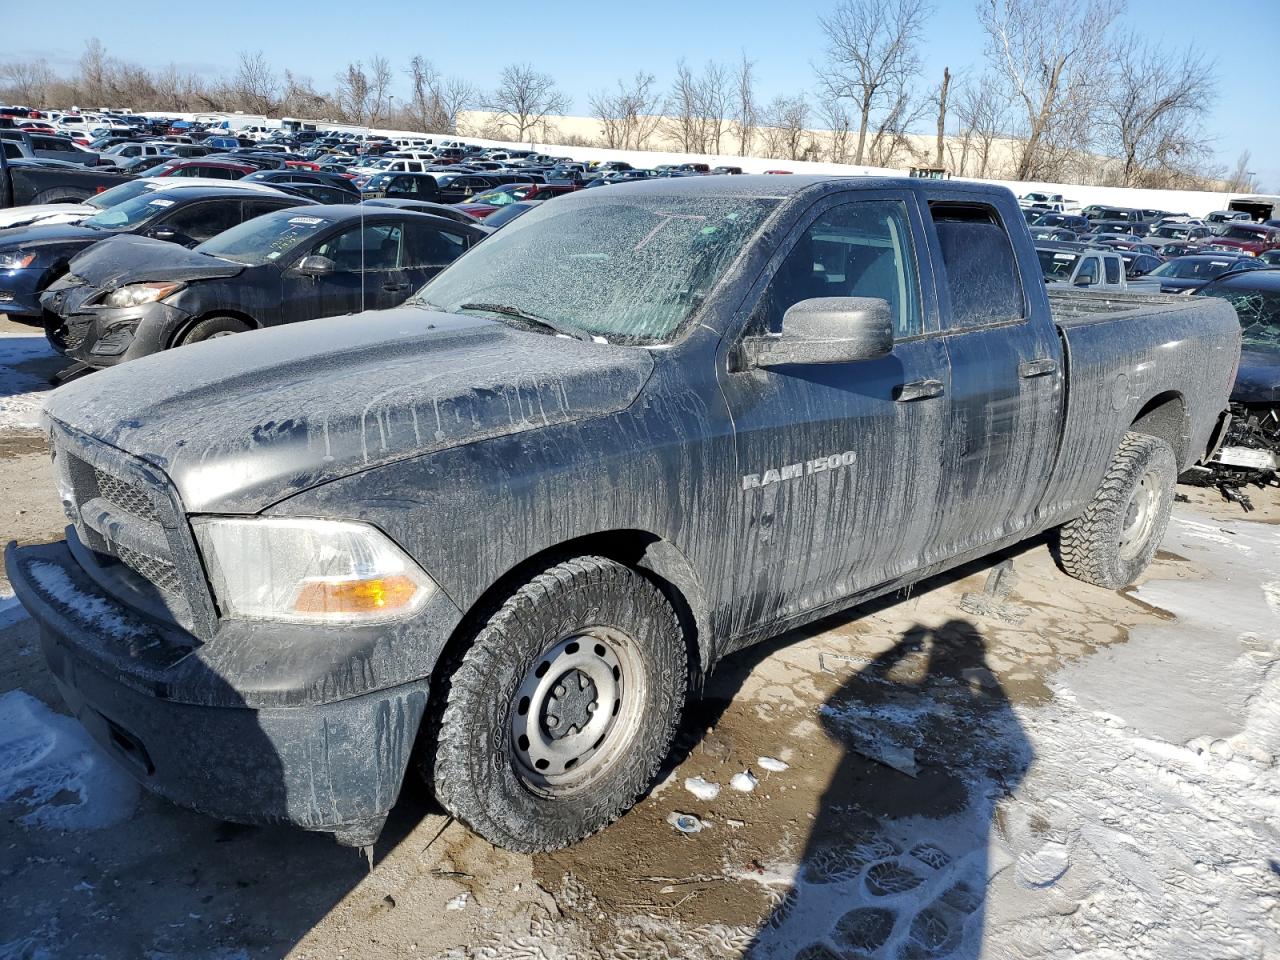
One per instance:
[(1164, 417), (659, 560), (183, 329)]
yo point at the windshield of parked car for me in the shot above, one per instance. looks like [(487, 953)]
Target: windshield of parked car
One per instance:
[(1193, 268), (1258, 310), (1240, 233), (131, 213), (263, 239), (117, 195), (1172, 233), (500, 198), (1057, 264), (630, 269)]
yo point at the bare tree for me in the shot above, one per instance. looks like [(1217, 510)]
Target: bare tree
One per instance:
[(683, 110), (1053, 57), (889, 141), (835, 116), (783, 127), (255, 84), (434, 101), (630, 115), (26, 81), (1152, 111), (745, 112), (942, 115), (1241, 179), (871, 56), (352, 93), (94, 67), (379, 89), (524, 99), (982, 111)]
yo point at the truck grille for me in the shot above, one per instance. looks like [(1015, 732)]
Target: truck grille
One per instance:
[(126, 497), (131, 534)]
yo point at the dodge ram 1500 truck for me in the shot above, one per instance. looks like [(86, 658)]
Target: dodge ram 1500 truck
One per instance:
[(499, 534)]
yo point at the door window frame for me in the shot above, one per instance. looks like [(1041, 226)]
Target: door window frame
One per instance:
[(943, 289)]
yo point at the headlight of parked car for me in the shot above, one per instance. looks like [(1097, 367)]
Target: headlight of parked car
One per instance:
[(16, 260), (320, 571), (136, 294)]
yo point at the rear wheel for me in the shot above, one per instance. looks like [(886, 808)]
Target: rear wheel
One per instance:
[(1113, 541), (557, 717), (212, 327)]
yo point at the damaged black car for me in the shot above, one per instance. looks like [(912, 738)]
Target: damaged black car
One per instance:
[(1250, 453), (132, 296)]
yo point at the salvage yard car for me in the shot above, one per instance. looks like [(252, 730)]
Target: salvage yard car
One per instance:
[(33, 257), (128, 297), (500, 534)]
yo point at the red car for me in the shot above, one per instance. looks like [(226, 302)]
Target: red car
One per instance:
[(483, 204), (200, 167), (1254, 238)]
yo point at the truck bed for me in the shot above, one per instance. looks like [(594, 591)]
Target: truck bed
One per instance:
[(1074, 307)]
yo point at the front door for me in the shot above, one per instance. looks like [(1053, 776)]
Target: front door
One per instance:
[(840, 463)]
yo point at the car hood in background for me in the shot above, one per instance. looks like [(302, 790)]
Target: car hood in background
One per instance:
[(1258, 380), (45, 213), (239, 423), (127, 258)]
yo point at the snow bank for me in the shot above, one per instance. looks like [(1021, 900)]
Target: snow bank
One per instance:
[(21, 392), (51, 766)]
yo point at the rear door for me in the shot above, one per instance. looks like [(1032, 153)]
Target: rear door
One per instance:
[(840, 463), (1006, 377)]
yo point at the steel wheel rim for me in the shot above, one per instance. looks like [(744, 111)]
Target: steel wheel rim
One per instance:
[(577, 711), (1140, 516), (221, 333)]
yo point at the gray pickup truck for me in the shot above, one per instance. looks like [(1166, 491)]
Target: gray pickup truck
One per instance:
[(499, 535)]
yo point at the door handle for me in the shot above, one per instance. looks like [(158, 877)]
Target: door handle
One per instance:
[(395, 287), (918, 390), (1037, 368)]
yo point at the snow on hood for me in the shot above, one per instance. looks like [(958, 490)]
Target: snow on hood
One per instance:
[(241, 422), (128, 259), (45, 213)]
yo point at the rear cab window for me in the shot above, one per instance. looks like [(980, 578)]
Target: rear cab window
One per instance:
[(979, 266)]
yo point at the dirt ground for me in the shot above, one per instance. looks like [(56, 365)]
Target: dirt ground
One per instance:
[(928, 794)]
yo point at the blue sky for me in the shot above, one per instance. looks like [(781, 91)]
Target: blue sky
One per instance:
[(587, 46)]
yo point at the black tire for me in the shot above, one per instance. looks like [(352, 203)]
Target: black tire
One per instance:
[(1113, 541), (211, 327), (477, 765)]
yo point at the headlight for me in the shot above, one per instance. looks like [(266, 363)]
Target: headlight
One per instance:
[(322, 571), (16, 260), (136, 294)]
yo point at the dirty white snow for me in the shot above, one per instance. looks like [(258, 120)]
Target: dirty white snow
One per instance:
[(772, 764), (21, 392), (743, 782), (702, 789), (49, 765)]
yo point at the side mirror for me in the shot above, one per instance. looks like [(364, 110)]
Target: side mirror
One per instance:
[(161, 233), (827, 330), (315, 266), (1084, 280)]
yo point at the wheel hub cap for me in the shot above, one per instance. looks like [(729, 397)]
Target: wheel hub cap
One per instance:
[(576, 710), (570, 706)]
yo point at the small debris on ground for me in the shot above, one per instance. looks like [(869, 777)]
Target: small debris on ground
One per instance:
[(686, 822), (702, 789)]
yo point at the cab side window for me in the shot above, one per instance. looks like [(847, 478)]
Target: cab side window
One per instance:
[(1112, 267), (858, 249), (981, 272), (373, 247), (1088, 270), (200, 221)]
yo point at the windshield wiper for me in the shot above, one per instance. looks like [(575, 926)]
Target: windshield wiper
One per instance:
[(531, 319)]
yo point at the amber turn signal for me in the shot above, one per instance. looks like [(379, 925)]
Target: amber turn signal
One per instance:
[(382, 594)]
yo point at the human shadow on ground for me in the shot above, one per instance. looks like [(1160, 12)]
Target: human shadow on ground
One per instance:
[(896, 864)]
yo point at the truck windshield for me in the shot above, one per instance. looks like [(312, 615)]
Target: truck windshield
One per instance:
[(1056, 264), (627, 269)]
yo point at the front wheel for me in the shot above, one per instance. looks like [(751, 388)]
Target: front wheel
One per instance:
[(1113, 541), (559, 714), (211, 328)]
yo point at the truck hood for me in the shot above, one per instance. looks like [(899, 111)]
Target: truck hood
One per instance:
[(239, 423), (1258, 379), (128, 259)]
